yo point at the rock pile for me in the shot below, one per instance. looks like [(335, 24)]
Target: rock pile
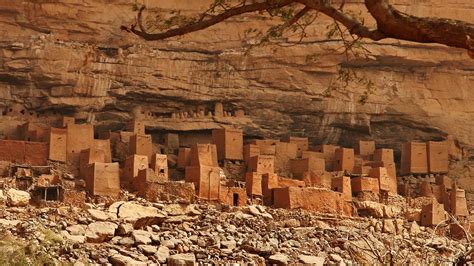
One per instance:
[(143, 233)]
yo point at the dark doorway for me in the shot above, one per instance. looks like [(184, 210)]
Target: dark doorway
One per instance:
[(236, 199)]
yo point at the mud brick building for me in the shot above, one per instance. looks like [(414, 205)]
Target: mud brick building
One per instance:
[(365, 184), (145, 178), (184, 158), (229, 143), (383, 155), (136, 126), (386, 182), (342, 184), (33, 131), (103, 179), (365, 148), (253, 184), (321, 179), (206, 180), (105, 146), (233, 196), (432, 214), (314, 199), (329, 152), (132, 165), (33, 153), (68, 120), (79, 137), (438, 156), (159, 164), (344, 160), (141, 145), (204, 154), (414, 158), (458, 202), (300, 166), (89, 156), (250, 150), (302, 144), (262, 164), (57, 144), (284, 152)]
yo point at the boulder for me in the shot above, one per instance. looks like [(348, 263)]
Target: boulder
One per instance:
[(370, 208), (141, 237), (77, 229), (140, 216), (312, 260), (391, 211), (183, 259), (79, 239), (231, 244), (279, 259), (124, 229), (254, 210), (162, 254), (389, 226), (100, 231), (98, 215), (147, 249), (118, 259), (17, 198), (413, 215), (414, 228)]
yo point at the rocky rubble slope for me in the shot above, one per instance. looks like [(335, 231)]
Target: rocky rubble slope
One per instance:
[(136, 232), (71, 57)]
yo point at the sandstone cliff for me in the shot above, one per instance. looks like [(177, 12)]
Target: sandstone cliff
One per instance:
[(69, 56)]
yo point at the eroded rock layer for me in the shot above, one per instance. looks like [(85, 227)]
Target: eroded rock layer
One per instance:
[(71, 57)]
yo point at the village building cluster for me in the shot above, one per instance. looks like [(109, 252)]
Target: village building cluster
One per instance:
[(226, 168)]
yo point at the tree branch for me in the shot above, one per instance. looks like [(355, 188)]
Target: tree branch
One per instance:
[(391, 23), (354, 26), (394, 24), (203, 24)]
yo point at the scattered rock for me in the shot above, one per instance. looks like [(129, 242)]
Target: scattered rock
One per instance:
[(124, 229), (335, 257), (254, 210), (370, 208), (73, 238), (231, 244), (162, 254), (313, 260), (187, 259), (77, 229), (98, 215), (414, 228), (122, 260), (391, 211), (9, 223), (18, 198), (147, 249), (140, 216), (100, 231), (389, 226), (127, 241), (279, 258), (141, 237)]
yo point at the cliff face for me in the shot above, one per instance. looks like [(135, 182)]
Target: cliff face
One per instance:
[(69, 56)]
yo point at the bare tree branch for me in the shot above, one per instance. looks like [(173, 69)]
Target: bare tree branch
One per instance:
[(394, 24), (202, 24)]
